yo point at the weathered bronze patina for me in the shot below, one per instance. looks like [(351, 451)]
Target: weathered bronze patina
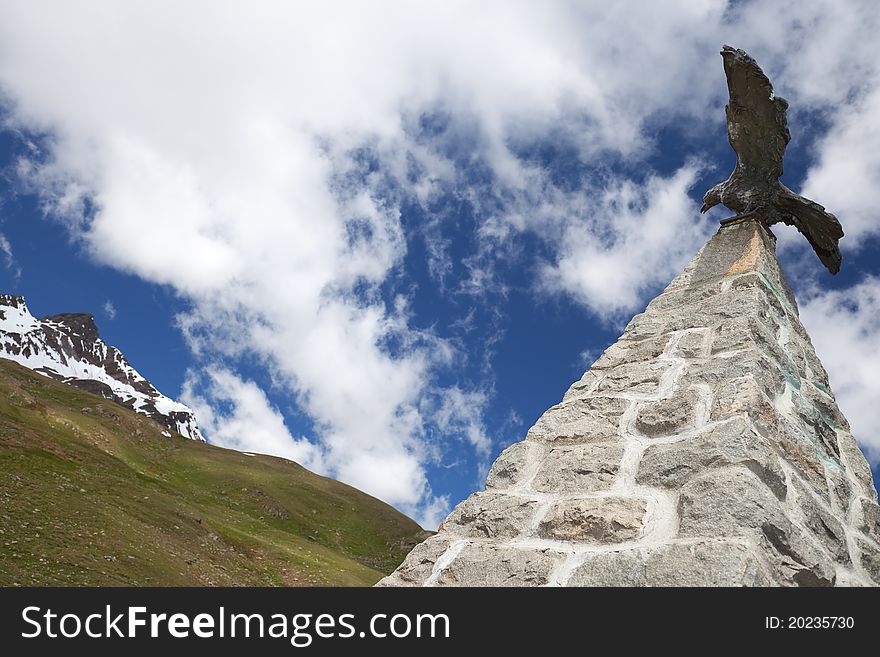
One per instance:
[(758, 131)]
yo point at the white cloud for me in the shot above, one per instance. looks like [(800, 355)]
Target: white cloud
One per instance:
[(6, 250), (630, 237), (8, 258), (461, 413), (217, 147), (844, 329), (238, 415), (110, 310), (816, 53), (432, 514), (847, 174)]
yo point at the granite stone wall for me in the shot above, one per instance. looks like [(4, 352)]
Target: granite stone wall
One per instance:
[(703, 448)]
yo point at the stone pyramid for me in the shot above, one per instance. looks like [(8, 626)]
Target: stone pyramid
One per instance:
[(703, 448)]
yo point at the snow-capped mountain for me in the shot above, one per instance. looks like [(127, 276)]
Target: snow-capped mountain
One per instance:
[(67, 348)]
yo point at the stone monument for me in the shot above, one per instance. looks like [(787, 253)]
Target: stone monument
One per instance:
[(704, 447)]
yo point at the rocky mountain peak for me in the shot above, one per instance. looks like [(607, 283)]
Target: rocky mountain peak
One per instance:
[(12, 301), (68, 347), (80, 324)]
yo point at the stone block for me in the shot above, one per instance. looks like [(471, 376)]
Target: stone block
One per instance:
[(644, 326), (839, 489), (487, 564), (693, 344), (668, 416), (825, 405), (733, 442), (856, 464), (796, 354), (618, 568), (720, 370), (707, 562), (744, 396), (631, 351), (741, 333), (490, 515), (723, 252), (583, 386), (869, 558), (587, 419), (513, 465), (753, 284), (748, 332), (730, 502), (688, 318), (679, 295), (579, 468), (594, 520), (643, 378), (825, 527), (817, 425), (815, 371), (419, 563), (800, 450), (866, 518)]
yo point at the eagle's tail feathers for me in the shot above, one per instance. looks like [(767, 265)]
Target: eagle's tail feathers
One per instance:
[(821, 228)]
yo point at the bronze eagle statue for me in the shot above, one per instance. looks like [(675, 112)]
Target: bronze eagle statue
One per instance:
[(757, 129)]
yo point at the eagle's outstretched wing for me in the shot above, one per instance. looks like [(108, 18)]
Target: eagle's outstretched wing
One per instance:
[(821, 228), (756, 124)]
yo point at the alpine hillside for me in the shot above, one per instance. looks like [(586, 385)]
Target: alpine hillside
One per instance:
[(92, 493)]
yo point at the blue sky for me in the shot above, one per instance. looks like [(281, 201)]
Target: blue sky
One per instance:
[(383, 240)]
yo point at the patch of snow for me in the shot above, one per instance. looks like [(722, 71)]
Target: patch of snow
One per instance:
[(17, 320)]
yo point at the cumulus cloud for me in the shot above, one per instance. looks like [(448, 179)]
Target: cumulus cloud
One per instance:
[(257, 162), (847, 174), (844, 329), (110, 310), (651, 227), (238, 415), (461, 413)]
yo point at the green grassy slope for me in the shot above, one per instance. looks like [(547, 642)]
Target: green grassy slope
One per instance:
[(93, 494)]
